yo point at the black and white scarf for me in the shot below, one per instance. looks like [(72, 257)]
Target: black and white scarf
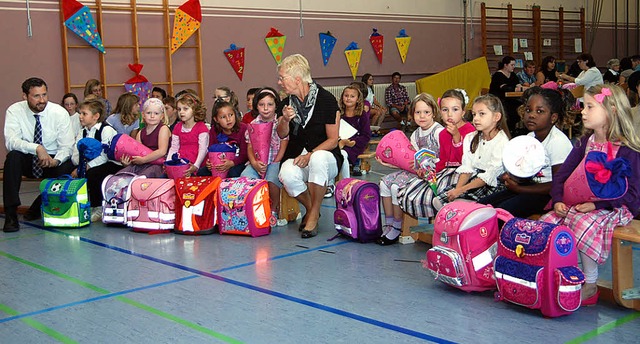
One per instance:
[(302, 111)]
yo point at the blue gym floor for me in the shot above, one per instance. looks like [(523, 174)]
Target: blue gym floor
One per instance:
[(109, 285)]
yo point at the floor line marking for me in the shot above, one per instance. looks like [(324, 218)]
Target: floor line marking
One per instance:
[(283, 296), (105, 295), (604, 328), (38, 326)]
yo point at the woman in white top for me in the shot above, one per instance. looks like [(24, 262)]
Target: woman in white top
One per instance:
[(590, 75)]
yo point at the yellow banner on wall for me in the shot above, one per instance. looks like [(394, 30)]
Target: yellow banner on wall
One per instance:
[(472, 76)]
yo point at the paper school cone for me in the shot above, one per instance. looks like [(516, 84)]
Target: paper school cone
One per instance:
[(396, 149), (235, 56), (377, 43), (223, 150), (186, 21), (403, 41), (123, 144), (78, 19), (353, 54), (138, 85), (327, 43), (260, 138), (176, 167), (275, 41)]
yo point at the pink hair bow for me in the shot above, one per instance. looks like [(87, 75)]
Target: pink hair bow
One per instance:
[(603, 93)]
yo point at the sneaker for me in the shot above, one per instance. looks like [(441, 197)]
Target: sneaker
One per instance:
[(282, 222), (96, 214), (330, 190)]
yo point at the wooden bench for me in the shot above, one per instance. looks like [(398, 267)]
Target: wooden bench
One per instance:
[(621, 287), (289, 206), (412, 231), (365, 165), (23, 208)]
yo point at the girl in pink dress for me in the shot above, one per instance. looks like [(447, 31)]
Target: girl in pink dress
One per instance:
[(190, 137)]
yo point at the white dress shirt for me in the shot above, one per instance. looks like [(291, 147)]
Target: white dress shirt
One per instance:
[(57, 133)]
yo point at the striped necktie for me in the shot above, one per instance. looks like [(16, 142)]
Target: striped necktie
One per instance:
[(37, 138)]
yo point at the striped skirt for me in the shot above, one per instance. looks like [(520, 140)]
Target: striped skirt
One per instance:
[(415, 198)]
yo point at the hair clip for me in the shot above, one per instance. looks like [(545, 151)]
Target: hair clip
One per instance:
[(603, 93)]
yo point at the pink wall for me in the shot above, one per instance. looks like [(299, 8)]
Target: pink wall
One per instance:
[(436, 45)]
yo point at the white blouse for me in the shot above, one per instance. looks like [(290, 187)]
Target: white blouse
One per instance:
[(486, 160)]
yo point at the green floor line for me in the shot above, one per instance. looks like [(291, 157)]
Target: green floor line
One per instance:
[(605, 328), (20, 237), (126, 300), (38, 326)]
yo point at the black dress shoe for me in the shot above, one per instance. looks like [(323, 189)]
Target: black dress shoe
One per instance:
[(11, 224), (384, 241), (33, 215), (306, 234), (303, 222)]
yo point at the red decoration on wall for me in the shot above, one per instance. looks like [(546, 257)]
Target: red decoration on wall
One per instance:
[(235, 56), (377, 43)]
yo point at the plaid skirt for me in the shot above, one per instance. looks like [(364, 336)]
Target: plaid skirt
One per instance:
[(474, 194), (593, 230), (415, 198)]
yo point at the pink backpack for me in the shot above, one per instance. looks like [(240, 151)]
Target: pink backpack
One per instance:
[(196, 209), (116, 195), (244, 207), (464, 245), (357, 212), (152, 207), (537, 267)]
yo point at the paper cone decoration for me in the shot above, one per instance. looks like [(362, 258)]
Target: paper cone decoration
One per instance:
[(377, 43), (138, 85), (260, 138), (235, 56), (396, 149), (123, 144), (327, 43), (187, 21), (403, 41), (78, 19), (275, 41), (353, 54)]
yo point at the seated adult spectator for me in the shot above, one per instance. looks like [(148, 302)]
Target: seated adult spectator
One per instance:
[(612, 75), (397, 99), (527, 75), (40, 141)]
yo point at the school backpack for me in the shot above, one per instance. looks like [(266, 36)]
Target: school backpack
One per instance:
[(464, 244), (116, 195), (65, 202), (152, 205), (196, 208), (357, 213), (243, 207), (537, 267)]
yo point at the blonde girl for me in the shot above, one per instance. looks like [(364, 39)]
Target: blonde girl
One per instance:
[(608, 128), (425, 113), (352, 111)]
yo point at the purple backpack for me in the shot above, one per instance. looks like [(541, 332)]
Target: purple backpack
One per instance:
[(357, 212)]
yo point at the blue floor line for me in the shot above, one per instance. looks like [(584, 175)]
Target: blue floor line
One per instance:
[(214, 276)]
